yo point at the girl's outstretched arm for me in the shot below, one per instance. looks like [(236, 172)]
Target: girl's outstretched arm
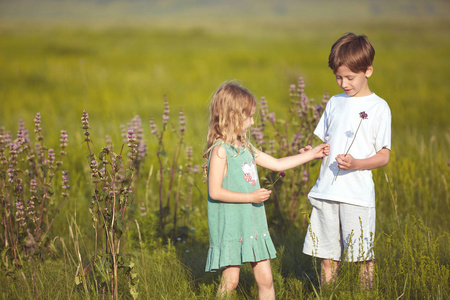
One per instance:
[(280, 164), (216, 173)]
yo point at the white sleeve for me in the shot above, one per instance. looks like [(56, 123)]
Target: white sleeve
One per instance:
[(322, 126), (383, 138)]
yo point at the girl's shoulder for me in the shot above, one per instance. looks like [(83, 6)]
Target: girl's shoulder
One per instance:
[(222, 148), (219, 150), (232, 150)]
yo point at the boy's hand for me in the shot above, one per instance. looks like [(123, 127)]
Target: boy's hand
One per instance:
[(346, 162), (260, 195), (321, 150)]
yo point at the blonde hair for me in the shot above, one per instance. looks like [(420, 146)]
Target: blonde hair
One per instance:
[(230, 106)]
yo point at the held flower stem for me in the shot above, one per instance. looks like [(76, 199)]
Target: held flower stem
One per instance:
[(363, 115), (280, 175)]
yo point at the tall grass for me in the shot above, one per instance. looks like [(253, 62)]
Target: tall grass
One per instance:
[(118, 71)]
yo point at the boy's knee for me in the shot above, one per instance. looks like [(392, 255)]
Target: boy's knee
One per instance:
[(329, 264)]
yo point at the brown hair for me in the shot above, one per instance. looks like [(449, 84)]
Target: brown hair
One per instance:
[(353, 51)]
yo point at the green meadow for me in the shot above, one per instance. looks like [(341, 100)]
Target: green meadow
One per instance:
[(121, 59)]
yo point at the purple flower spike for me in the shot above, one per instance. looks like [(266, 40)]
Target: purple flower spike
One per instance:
[(363, 115), (301, 83), (37, 119), (282, 174), (11, 173)]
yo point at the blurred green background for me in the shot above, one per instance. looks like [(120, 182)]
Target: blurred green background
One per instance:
[(118, 59)]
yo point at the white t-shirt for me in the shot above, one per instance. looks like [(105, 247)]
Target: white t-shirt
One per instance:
[(339, 122)]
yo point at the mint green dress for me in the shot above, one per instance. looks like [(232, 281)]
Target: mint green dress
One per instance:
[(238, 232)]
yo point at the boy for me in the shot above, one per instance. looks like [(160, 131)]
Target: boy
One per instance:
[(357, 125)]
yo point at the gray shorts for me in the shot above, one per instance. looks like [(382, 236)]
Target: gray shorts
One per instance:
[(340, 231)]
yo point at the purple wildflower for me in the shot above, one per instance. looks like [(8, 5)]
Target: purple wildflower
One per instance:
[(65, 178), (37, 125), (85, 122), (63, 139), (20, 214), (181, 118), (153, 126), (63, 142), (37, 120), (166, 112), (304, 101), (11, 173), (51, 155), (94, 168)]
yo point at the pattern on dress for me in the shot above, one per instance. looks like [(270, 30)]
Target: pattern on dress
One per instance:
[(250, 172)]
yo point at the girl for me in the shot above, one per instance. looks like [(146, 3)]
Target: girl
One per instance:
[(237, 222)]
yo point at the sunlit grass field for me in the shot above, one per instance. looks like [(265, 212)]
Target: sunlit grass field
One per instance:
[(60, 59)]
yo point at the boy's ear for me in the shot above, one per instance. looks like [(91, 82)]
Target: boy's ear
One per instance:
[(369, 71)]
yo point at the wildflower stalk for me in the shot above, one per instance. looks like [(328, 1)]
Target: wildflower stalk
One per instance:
[(160, 152), (174, 167), (113, 188)]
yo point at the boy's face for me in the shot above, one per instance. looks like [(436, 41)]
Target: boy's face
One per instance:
[(353, 84)]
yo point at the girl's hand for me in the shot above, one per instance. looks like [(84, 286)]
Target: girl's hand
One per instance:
[(260, 195), (303, 150), (346, 162), (321, 150)]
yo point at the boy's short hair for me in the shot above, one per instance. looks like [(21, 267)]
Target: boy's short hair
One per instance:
[(353, 51)]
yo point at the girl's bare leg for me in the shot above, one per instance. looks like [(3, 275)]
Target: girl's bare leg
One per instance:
[(329, 270), (229, 281), (264, 279)]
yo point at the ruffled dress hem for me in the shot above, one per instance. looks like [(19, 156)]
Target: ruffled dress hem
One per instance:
[(240, 251)]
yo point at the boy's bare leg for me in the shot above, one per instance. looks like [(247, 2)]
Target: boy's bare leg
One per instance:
[(366, 274), (229, 282), (329, 270), (264, 279)]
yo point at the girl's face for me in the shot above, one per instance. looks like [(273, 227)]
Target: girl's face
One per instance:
[(248, 122), (353, 84)]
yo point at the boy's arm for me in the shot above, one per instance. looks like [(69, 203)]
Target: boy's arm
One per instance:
[(216, 173), (350, 163), (280, 164)]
